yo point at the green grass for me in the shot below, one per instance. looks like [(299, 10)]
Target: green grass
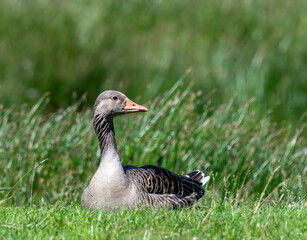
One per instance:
[(64, 221), (257, 168), (251, 48), (246, 60)]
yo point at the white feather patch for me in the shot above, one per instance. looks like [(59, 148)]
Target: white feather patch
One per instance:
[(205, 180)]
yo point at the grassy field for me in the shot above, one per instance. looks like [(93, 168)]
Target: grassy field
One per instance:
[(238, 113), (224, 221), (257, 168)]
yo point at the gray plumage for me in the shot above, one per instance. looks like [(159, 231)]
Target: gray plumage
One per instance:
[(115, 186)]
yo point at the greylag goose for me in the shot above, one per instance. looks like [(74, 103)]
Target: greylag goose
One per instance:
[(114, 186)]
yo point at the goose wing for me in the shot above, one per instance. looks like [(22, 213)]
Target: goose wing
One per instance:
[(160, 184)]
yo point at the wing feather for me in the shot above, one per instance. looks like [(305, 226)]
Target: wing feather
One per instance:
[(162, 186)]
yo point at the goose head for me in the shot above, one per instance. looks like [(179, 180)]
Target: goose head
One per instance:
[(113, 103)]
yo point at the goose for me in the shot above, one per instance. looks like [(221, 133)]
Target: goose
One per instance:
[(115, 186)]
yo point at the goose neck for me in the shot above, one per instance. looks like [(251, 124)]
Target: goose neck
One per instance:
[(104, 129)]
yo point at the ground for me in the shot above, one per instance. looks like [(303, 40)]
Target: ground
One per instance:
[(225, 221)]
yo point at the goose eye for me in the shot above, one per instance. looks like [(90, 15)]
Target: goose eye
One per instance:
[(115, 98)]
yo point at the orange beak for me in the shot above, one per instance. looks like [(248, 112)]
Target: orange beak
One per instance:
[(132, 107)]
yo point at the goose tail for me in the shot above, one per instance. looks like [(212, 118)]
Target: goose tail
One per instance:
[(198, 176)]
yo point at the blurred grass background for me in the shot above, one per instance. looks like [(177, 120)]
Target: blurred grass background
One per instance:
[(244, 48)]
